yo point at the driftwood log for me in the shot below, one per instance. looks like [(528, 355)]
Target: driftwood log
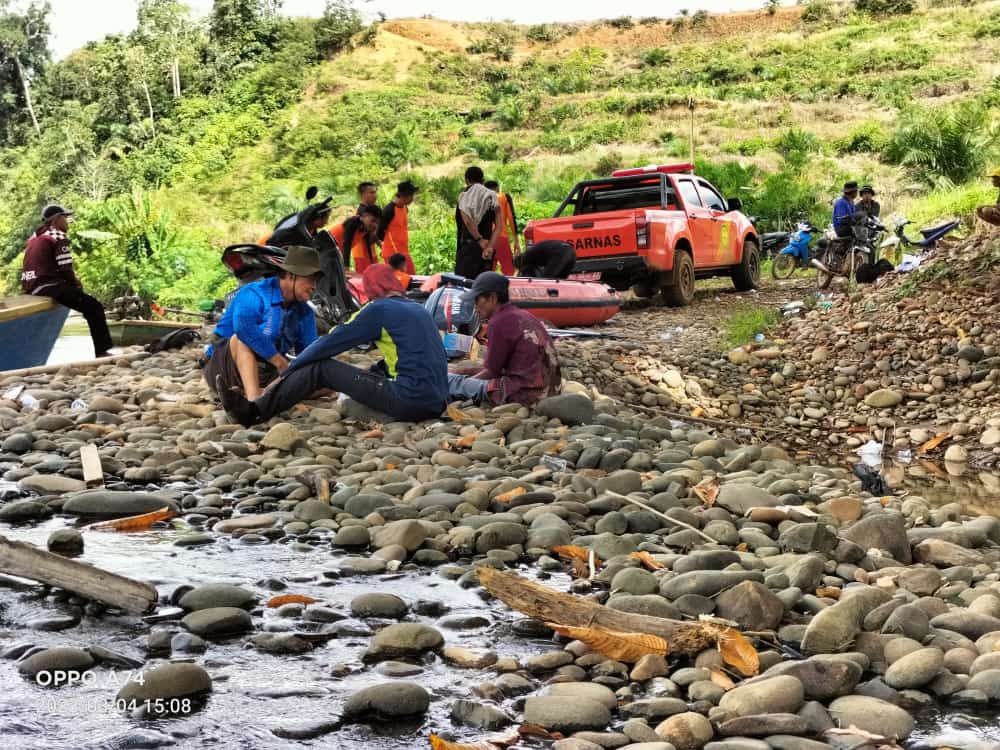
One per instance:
[(27, 561), (544, 604), (6, 375)]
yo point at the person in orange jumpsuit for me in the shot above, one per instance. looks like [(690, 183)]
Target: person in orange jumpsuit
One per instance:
[(354, 237), (398, 264), (508, 224), (393, 228)]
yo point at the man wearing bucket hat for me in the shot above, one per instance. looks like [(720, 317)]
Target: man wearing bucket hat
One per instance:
[(412, 387), (520, 365), (266, 321), (867, 204), (991, 214), (48, 272)]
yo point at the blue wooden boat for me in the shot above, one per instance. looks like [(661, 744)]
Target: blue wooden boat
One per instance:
[(29, 327)]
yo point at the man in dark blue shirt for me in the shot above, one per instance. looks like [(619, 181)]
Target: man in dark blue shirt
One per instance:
[(843, 210), (266, 321), (406, 334)]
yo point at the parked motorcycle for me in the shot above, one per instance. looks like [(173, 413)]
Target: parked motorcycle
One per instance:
[(770, 242), (930, 235), (796, 253), (851, 257)]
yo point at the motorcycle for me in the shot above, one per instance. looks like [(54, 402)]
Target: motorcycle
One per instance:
[(770, 242), (851, 257), (796, 254), (930, 235)]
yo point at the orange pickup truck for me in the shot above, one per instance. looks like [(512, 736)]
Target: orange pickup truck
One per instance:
[(655, 228)]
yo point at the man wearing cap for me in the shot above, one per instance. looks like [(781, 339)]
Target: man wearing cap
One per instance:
[(479, 226), (844, 210), (355, 236), (303, 229), (267, 320), (991, 214), (521, 365), (867, 205), (48, 272), (412, 386), (394, 226)]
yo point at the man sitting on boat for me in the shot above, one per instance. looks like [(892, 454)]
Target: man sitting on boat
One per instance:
[(48, 272), (520, 365), (266, 321), (412, 387)]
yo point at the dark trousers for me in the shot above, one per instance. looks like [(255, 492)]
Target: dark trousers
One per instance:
[(469, 261), (92, 310), (364, 386)]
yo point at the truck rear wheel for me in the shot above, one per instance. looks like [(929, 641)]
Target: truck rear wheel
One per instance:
[(681, 291), (746, 275)]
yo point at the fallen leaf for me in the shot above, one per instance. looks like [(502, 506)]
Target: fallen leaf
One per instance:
[(535, 730), (376, 433), (572, 551), (707, 490), (626, 647), (506, 497), (301, 408), (580, 568), (559, 446), (853, 731), (457, 415), (720, 678), (737, 651), (884, 501), (697, 412), (134, 523), (437, 743), (856, 429), (828, 591), (466, 441), (933, 468), (933, 443), (741, 547), (647, 560), (389, 467), (277, 601)]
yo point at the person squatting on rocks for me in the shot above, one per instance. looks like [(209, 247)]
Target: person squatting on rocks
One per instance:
[(355, 235), (48, 272), (417, 391), (520, 365), (394, 227), (991, 214), (267, 320), (549, 259), (508, 228), (478, 226)]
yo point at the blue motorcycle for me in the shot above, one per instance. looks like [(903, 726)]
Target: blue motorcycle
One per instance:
[(796, 254)]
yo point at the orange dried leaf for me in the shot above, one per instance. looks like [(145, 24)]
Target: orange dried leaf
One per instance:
[(441, 744), (580, 568), (389, 467), (741, 547), (572, 551), (697, 412), (933, 468), (506, 497), (828, 591), (738, 652), (647, 560), (707, 490), (536, 730), (720, 678), (934, 442), (134, 523), (626, 647), (376, 433), (457, 415), (466, 440), (277, 601), (559, 447)]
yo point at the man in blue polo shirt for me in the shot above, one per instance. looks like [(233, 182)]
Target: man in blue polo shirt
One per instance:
[(843, 210), (266, 321)]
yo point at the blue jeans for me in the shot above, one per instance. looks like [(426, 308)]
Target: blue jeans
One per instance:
[(466, 388)]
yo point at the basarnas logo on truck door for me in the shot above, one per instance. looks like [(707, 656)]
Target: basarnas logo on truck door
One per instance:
[(594, 243)]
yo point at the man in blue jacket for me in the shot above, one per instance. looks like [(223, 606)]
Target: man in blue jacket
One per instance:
[(844, 210), (405, 333), (265, 322)]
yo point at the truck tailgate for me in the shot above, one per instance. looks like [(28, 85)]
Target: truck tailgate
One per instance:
[(592, 235)]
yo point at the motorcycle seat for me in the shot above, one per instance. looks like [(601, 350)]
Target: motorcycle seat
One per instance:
[(939, 229)]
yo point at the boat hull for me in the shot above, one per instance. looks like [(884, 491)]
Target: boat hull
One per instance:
[(131, 332), (29, 327)]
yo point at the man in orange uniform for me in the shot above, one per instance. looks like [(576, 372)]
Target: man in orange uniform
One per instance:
[(508, 228), (354, 236), (393, 227), (398, 264)]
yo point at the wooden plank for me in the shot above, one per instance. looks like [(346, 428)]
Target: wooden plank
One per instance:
[(27, 561), (12, 308), (49, 369), (93, 472)]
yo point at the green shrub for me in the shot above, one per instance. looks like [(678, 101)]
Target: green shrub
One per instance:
[(945, 145), (655, 57), (700, 18), (866, 138), (796, 146), (885, 7), (545, 33), (608, 163), (622, 23), (511, 113), (499, 42), (817, 11), (989, 27), (745, 323), (771, 6)]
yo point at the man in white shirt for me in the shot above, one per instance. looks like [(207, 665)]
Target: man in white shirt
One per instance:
[(478, 227)]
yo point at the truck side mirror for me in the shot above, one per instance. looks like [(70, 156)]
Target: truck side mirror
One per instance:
[(734, 204)]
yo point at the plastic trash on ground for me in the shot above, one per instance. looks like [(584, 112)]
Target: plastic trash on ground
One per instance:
[(28, 402), (908, 263), (78, 405), (871, 453), (554, 463)]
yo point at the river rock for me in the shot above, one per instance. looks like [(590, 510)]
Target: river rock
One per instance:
[(738, 498), (833, 629), (217, 621), (885, 531), (283, 437), (751, 604), (388, 606), (42, 666), (584, 690), (217, 595), (19, 511), (822, 677), (172, 680), (312, 510), (686, 731), (781, 694), (706, 582), (915, 670), (987, 682), (883, 398), (569, 408), (388, 700), (945, 554), (872, 715), (115, 504), (403, 639), (66, 541), (763, 725), (480, 715), (566, 714), (970, 624), (51, 484), (408, 533)]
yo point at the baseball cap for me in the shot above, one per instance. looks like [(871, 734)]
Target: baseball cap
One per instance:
[(488, 282), (53, 210)]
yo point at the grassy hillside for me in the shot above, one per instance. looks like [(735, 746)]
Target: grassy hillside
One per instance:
[(786, 106)]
